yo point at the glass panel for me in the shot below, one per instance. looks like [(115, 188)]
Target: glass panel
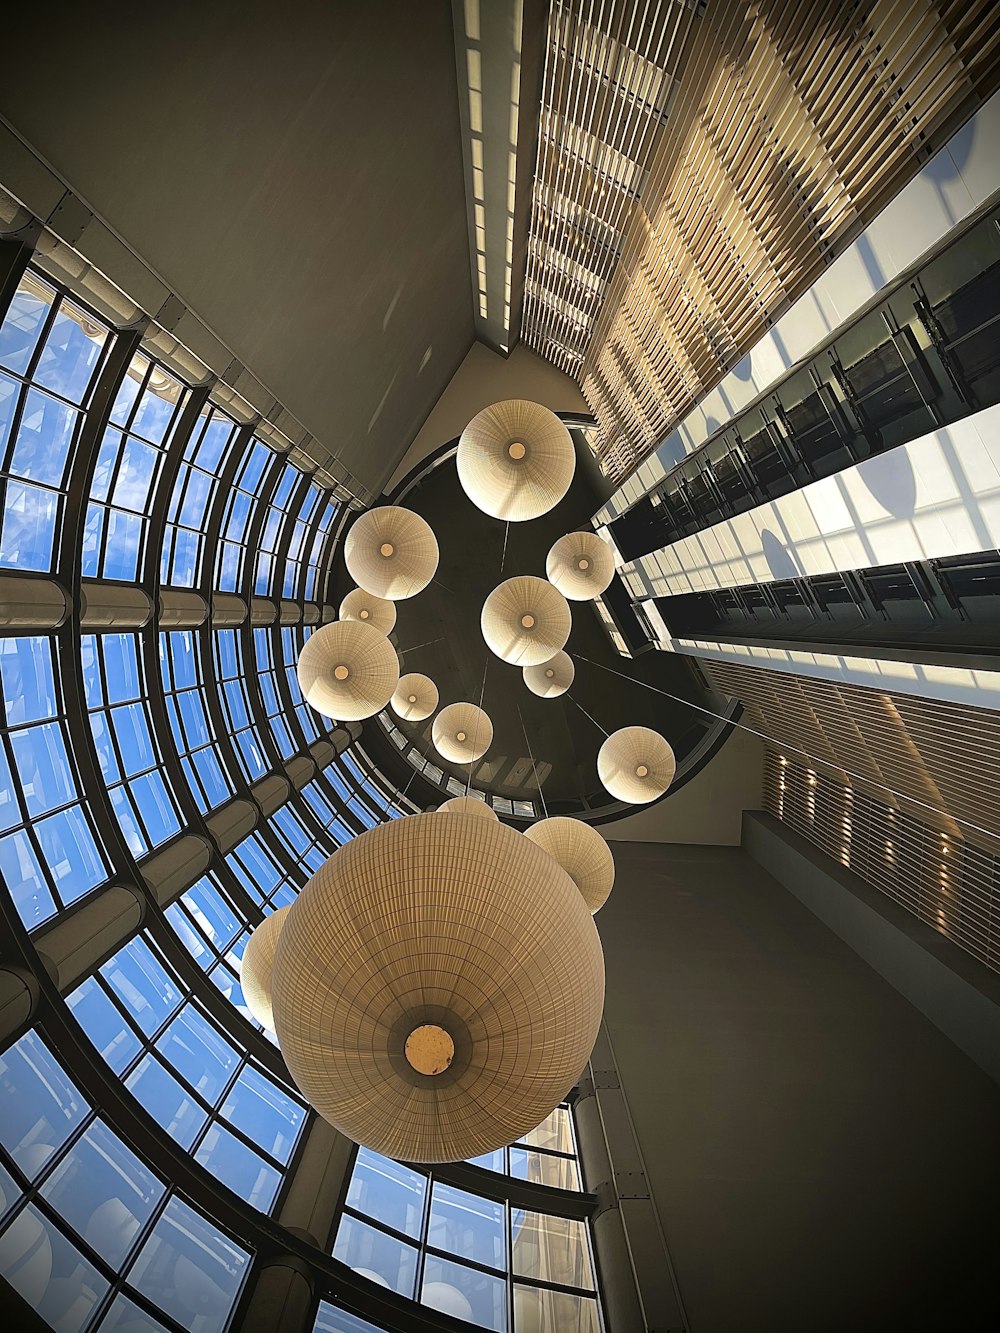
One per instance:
[(239, 1167), (41, 1105), (50, 1273), (465, 1293), (554, 1249), (190, 1269), (264, 1113), (331, 1320), (102, 1021), (559, 1172), (170, 1105), (104, 1192), (124, 1316), (388, 1192), (467, 1225), (144, 988), (198, 1053), (375, 1255), (535, 1309), (555, 1132)]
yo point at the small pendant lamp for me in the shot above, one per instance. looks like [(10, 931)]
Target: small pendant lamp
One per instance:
[(377, 611), (348, 670), (636, 765), (462, 733), (391, 552), (526, 621), (438, 987), (580, 565), (467, 805), (552, 678), (415, 698), (582, 853), (257, 966), (515, 460)]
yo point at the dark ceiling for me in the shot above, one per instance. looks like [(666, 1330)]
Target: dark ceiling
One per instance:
[(445, 620), (292, 171)]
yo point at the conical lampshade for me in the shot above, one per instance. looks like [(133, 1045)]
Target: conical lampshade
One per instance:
[(377, 611), (415, 698), (462, 733), (257, 965), (552, 678), (515, 460), (348, 670), (467, 805), (525, 621), (636, 765), (438, 987), (580, 565), (582, 853), (391, 552)]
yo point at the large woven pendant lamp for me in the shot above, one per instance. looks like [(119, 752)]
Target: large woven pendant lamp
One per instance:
[(391, 552), (582, 853), (515, 460), (438, 987), (552, 678), (636, 765), (580, 565), (377, 611), (462, 733), (348, 670), (525, 621), (415, 698), (467, 805), (257, 965)]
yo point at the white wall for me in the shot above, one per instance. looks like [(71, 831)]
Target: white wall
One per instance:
[(483, 378), (708, 810)]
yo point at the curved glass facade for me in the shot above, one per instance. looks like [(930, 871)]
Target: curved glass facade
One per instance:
[(163, 786)]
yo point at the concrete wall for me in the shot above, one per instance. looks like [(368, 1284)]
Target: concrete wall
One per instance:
[(821, 1156), (709, 808)]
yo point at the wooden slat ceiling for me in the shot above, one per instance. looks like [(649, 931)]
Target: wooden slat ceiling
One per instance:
[(696, 171)]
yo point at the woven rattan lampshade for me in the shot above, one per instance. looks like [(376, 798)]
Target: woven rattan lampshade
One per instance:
[(415, 698), (257, 966), (580, 565), (515, 460), (582, 853), (552, 678), (391, 552), (636, 765), (348, 670), (443, 943), (462, 733), (377, 611), (467, 805), (525, 621)]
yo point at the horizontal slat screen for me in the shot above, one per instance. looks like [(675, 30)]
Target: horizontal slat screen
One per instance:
[(946, 881), (697, 170)]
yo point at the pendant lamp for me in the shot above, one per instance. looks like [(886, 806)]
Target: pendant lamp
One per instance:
[(582, 853), (377, 611), (257, 966), (552, 678), (438, 987), (580, 565), (348, 670), (462, 733), (636, 765), (391, 552), (415, 698), (515, 460), (467, 805), (525, 621)]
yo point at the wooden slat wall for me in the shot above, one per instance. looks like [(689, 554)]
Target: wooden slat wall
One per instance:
[(791, 123), (946, 881), (938, 761)]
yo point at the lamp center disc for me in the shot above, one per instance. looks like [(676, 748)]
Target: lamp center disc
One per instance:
[(583, 563), (411, 698), (429, 1049), (341, 672), (460, 735), (549, 673), (642, 771), (365, 614), (528, 621), (516, 451), (386, 549)]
